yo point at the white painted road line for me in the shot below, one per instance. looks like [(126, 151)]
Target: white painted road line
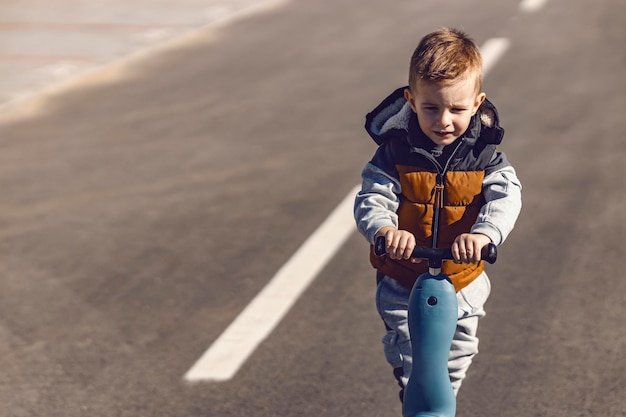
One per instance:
[(255, 323), (530, 6), (492, 51), (222, 360)]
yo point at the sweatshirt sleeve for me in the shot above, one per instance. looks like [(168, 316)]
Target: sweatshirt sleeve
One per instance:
[(503, 202), (376, 203)]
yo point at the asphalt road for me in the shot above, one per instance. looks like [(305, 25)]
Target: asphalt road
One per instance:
[(141, 215)]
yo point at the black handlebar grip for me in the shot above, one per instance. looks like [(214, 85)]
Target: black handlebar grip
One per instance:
[(488, 254), (380, 246)]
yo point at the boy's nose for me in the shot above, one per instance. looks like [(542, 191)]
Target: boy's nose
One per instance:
[(445, 119)]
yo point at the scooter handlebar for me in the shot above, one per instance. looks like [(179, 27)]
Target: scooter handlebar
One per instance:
[(488, 254)]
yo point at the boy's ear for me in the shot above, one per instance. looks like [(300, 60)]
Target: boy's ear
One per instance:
[(479, 100), (409, 97)]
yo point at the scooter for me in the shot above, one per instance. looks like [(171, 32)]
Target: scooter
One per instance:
[(432, 319)]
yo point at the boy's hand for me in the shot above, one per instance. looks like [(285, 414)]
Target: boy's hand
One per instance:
[(467, 247), (398, 243)]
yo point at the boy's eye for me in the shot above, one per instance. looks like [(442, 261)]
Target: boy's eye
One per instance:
[(458, 109)]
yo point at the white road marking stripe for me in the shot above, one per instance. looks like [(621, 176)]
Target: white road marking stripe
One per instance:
[(255, 323), (222, 360), (492, 51), (530, 6)]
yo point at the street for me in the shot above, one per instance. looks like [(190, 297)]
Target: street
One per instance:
[(142, 213)]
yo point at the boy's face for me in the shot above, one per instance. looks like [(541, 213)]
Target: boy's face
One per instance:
[(444, 112)]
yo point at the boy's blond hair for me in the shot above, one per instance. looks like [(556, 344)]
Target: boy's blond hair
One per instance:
[(444, 57)]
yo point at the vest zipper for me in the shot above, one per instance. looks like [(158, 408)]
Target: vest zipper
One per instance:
[(437, 205), (438, 192)]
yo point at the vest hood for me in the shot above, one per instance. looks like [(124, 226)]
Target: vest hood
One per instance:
[(392, 117)]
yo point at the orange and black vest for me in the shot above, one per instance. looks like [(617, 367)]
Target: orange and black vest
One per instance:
[(440, 199)]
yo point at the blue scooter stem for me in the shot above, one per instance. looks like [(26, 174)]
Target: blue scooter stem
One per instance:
[(432, 322), (432, 316)]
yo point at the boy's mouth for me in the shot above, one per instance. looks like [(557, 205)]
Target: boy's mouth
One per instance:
[(443, 134)]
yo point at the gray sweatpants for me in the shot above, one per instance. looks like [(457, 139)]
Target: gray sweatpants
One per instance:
[(392, 304)]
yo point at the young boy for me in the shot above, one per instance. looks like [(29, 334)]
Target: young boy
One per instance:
[(436, 180)]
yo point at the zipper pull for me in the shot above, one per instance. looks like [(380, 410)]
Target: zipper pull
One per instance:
[(438, 196)]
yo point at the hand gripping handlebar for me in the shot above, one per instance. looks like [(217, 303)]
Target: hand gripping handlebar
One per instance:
[(489, 253)]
